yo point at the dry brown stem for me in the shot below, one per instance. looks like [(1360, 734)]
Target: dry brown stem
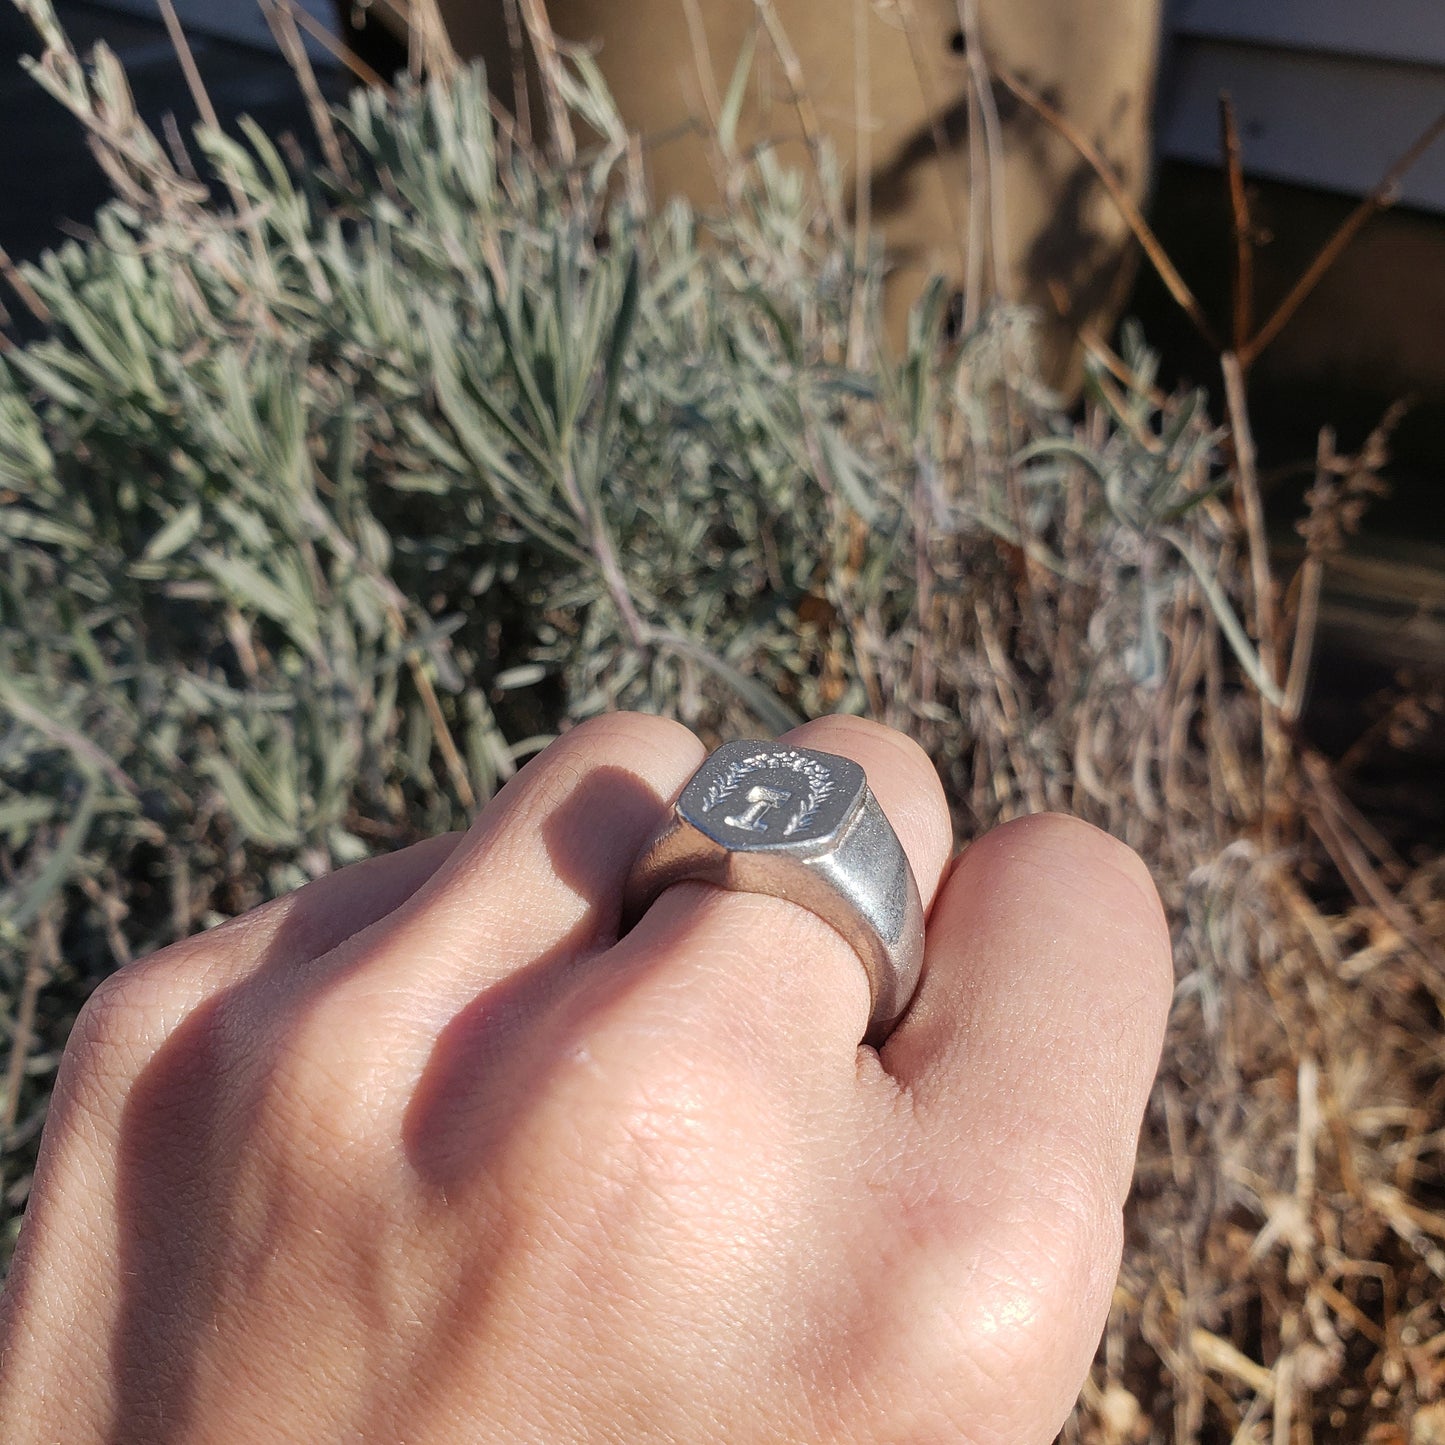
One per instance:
[(1243, 226), (43, 958), (1262, 578), (22, 288), (429, 45), (549, 62), (1144, 233), (328, 42), (923, 67), (986, 150), (281, 17), (1381, 198)]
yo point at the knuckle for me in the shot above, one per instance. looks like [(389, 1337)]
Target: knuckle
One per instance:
[(318, 1085), (1020, 1291), (625, 730), (1081, 1227), (1067, 1232), (127, 1015), (136, 1008), (141, 1053), (643, 1125)]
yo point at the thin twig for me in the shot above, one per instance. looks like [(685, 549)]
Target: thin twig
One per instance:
[(802, 102), (1307, 607), (343, 53), (1242, 282), (1120, 370), (1330, 820), (862, 173), (86, 752), (934, 107), (204, 108), (176, 143), (605, 551), (549, 61), (1301, 657), (116, 141), (1128, 208), (1246, 462), (793, 73), (521, 91), (1247, 484), (925, 676), (282, 20), (23, 289), (182, 46), (1381, 198), (973, 281), (440, 731), (111, 909), (982, 88), (40, 962), (429, 46), (397, 605), (702, 61)]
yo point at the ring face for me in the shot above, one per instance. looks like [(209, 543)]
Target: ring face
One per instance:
[(803, 826), (754, 796)]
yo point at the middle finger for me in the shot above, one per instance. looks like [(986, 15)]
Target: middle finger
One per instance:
[(537, 880)]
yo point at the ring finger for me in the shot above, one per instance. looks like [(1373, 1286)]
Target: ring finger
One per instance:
[(536, 889)]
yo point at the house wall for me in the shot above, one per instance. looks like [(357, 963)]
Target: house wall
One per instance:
[(1328, 92), (888, 84), (240, 20)]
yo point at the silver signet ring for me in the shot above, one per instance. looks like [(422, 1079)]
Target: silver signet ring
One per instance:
[(801, 825)]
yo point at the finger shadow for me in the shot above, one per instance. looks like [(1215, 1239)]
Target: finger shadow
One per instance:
[(488, 1068), (197, 1104)]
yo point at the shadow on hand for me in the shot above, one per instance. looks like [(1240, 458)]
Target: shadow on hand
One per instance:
[(196, 1106)]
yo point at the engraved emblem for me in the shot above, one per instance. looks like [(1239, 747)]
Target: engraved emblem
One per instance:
[(763, 801)]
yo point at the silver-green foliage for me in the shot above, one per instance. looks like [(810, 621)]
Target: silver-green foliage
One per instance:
[(320, 510)]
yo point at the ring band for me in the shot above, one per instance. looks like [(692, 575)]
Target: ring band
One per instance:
[(759, 817)]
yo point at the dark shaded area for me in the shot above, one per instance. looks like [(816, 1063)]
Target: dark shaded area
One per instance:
[(187, 1177), (1361, 343), (891, 183), (188, 1113), (1289, 403), (1071, 252), (369, 39), (52, 185)]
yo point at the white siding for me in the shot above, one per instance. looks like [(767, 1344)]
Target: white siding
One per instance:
[(1328, 92), (1407, 30), (229, 19)]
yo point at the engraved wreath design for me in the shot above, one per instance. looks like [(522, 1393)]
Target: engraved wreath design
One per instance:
[(819, 780)]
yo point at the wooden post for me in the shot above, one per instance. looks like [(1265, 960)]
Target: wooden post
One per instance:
[(936, 138)]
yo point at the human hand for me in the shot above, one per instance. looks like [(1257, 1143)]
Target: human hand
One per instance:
[(422, 1153)]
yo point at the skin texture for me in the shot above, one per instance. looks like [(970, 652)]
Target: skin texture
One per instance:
[(423, 1153)]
